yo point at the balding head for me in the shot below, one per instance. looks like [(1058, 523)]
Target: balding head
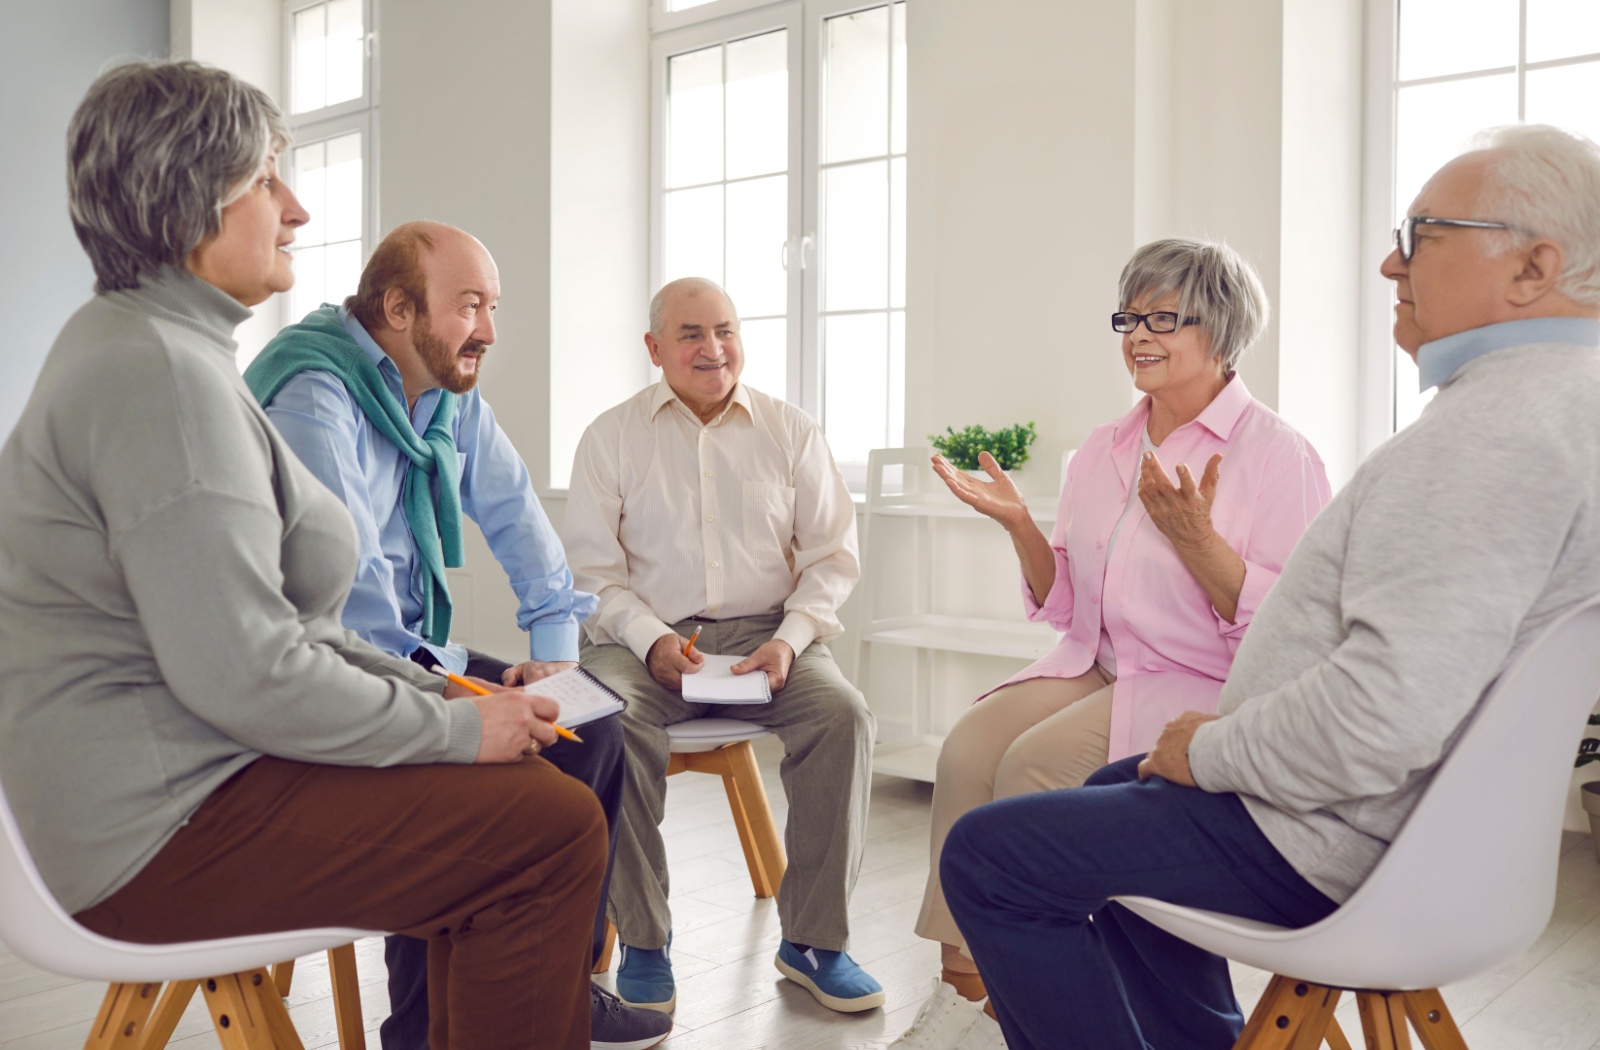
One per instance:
[(684, 288), (403, 260)]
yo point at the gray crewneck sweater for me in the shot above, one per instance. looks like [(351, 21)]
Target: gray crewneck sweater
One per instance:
[(1454, 545), (171, 582)]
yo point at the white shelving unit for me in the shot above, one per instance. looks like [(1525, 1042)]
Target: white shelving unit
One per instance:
[(901, 485)]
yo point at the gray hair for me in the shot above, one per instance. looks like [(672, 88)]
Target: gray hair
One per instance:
[(1546, 181), (1212, 281), (685, 286), (155, 151)]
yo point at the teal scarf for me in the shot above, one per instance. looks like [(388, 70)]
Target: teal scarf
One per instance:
[(320, 343)]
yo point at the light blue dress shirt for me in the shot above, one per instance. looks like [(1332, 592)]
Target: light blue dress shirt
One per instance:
[(321, 422), (1439, 360)]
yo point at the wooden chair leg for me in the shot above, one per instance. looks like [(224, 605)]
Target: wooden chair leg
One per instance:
[(752, 814), (123, 1015), (1383, 1020), (1431, 1018), (175, 999), (242, 1016), (1292, 1015), (1334, 1036), (283, 977), (347, 997), (604, 962)]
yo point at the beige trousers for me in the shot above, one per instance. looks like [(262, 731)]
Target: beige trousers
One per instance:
[(1036, 735)]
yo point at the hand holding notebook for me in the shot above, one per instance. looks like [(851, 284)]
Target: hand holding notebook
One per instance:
[(715, 683)]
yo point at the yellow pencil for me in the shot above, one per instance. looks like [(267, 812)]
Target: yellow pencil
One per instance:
[(690, 647), (467, 683)]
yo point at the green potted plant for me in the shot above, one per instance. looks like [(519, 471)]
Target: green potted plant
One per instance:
[(1008, 446)]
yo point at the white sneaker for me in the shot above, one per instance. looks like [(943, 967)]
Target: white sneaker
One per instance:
[(942, 1021), (984, 1034)]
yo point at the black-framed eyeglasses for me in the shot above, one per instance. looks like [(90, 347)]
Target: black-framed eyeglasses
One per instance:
[(1159, 323), (1405, 236)]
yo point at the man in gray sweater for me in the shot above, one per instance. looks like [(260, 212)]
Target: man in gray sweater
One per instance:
[(1450, 549)]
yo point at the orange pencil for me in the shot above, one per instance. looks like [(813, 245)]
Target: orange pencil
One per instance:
[(467, 683), (690, 646)]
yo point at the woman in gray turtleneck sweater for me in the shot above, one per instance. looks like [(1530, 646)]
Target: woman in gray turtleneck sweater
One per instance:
[(188, 735)]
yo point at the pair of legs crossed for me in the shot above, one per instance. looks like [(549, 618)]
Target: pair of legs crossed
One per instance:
[(827, 736), (497, 866), (1035, 735), (597, 763)]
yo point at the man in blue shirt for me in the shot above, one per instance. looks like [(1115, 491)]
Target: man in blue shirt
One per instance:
[(377, 398)]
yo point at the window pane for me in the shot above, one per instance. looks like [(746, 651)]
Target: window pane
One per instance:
[(694, 117), (897, 232), (855, 372), (1563, 28), (1568, 96), (897, 121), (766, 358), (758, 224), (694, 234), (1456, 36), (855, 264), (309, 267), (344, 218), (311, 186), (342, 272), (1436, 120), (1408, 401), (856, 98), (346, 51), (758, 105), (310, 59), (897, 379)]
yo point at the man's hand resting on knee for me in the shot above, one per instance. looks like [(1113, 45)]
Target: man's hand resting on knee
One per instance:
[(774, 657), (1169, 759), (667, 664), (530, 671)]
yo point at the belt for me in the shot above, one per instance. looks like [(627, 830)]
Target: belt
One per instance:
[(701, 619)]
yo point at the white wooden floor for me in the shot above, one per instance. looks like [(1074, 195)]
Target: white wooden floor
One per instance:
[(731, 998)]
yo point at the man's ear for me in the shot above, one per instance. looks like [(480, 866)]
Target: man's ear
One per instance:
[(398, 309), (1542, 263), (651, 345)]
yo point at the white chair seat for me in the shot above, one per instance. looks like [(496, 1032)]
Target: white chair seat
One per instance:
[(708, 734)]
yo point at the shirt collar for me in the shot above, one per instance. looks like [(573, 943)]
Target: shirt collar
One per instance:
[(1440, 360), (1219, 417), (664, 395)]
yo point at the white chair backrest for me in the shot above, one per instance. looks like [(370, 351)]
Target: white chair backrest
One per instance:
[(32, 923), (1471, 875)]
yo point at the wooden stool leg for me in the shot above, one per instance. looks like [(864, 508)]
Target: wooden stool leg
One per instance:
[(1291, 1015), (752, 814), (347, 997), (283, 977), (1335, 1036), (604, 962), (1383, 1020), (241, 1014), (175, 999), (1431, 1018), (123, 1014)]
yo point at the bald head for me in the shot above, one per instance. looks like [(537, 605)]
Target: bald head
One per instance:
[(682, 289), (405, 262)]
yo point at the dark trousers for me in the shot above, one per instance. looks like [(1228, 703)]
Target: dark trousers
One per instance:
[(1028, 878), (497, 865), (596, 762)]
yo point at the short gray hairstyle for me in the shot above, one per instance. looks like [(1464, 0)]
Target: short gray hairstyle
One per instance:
[(1546, 181), (1212, 281), (687, 286), (155, 151)]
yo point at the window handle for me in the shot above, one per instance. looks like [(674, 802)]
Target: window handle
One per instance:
[(806, 241)]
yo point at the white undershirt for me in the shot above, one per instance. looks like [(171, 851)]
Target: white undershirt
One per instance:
[(1106, 658)]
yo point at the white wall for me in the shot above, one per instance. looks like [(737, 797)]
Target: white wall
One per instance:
[(49, 54)]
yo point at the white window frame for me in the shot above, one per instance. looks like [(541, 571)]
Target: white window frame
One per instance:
[(329, 122), (726, 21)]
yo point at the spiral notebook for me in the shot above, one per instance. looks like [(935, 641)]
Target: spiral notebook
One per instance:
[(715, 683), (582, 696)]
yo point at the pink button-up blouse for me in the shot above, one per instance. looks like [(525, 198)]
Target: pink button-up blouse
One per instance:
[(1172, 649)]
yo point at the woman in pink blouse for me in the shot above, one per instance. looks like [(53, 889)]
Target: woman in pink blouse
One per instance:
[(1152, 582)]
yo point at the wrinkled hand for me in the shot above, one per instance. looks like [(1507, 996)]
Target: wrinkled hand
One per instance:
[(998, 498), (514, 724), (1169, 759), (667, 664), (774, 657), (530, 671), (1182, 512)]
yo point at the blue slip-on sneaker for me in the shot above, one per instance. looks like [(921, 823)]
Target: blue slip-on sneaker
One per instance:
[(833, 977), (644, 977), (613, 1025)]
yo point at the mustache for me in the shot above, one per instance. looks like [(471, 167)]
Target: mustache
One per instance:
[(474, 346)]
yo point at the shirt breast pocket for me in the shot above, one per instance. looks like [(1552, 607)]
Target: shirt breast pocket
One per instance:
[(768, 521)]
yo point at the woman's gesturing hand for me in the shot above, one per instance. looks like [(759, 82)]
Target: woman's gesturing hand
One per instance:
[(1182, 512), (997, 498)]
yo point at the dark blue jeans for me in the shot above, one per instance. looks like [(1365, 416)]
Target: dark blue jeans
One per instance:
[(1028, 878), (598, 763)]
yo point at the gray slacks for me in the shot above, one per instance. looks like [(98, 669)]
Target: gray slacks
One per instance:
[(827, 735)]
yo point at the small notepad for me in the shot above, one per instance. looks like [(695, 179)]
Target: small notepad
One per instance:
[(582, 696), (715, 683)]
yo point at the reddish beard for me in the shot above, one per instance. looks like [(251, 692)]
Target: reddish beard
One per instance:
[(441, 358)]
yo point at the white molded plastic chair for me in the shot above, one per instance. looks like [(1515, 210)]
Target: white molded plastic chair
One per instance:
[(1468, 883), (721, 746), (246, 1005)]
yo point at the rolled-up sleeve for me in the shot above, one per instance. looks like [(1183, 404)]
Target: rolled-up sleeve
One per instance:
[(1057, 607)]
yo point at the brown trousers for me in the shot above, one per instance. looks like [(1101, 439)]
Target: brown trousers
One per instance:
[(498, 867)]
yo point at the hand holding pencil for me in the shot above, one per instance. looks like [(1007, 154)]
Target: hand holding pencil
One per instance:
[(671, 657), (515, 723)]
